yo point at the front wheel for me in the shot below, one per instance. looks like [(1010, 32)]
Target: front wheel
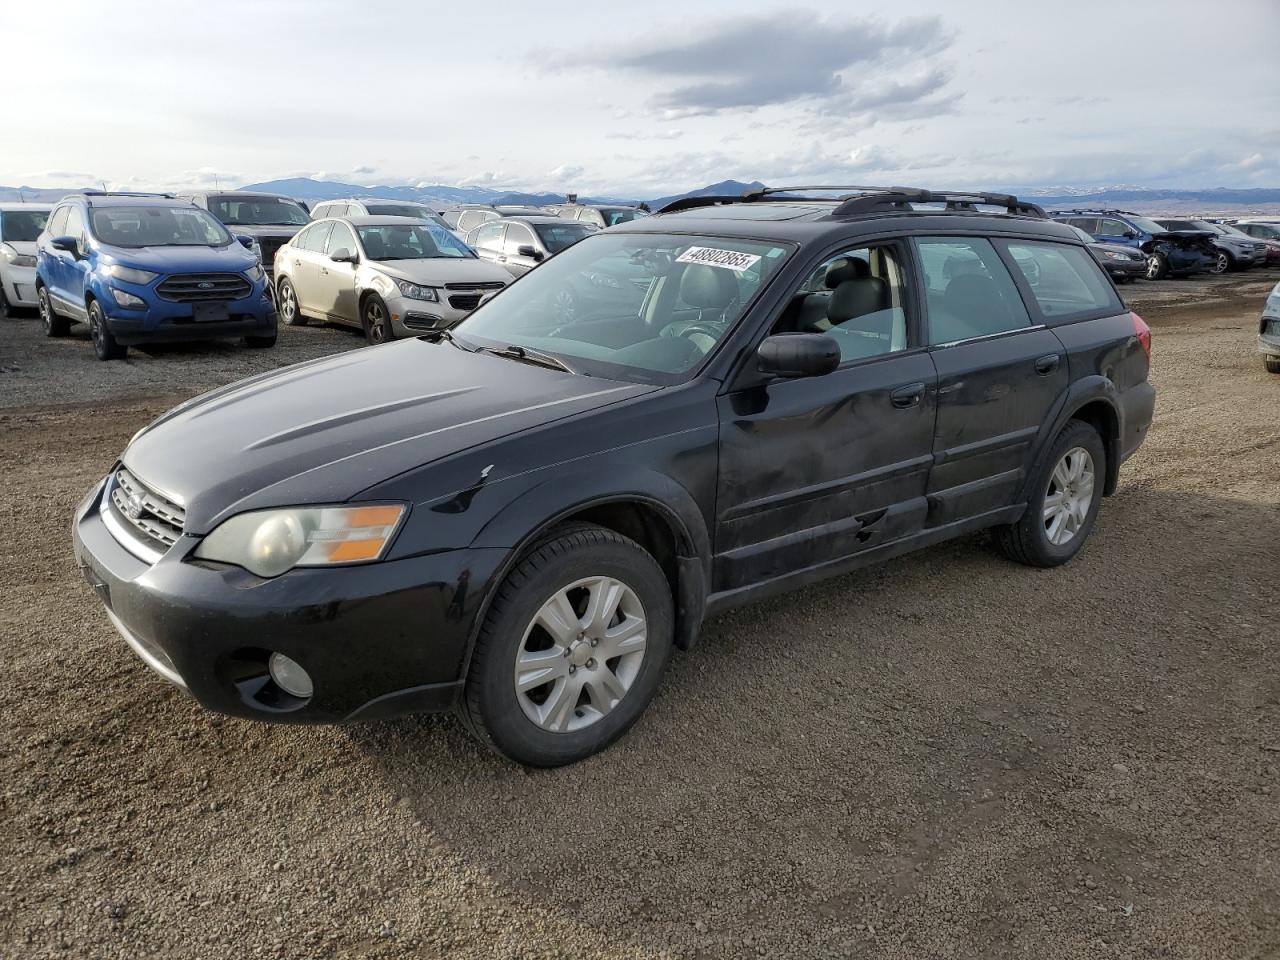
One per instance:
[(1065, 495), (1221, 263), (104, 344), (1157, 266), (260, 343), (572, 648), (375, 318)]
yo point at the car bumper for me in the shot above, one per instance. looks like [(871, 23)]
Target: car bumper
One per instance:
[(1269, 337), (411, 317), (163, 322), (20, 286), (1126, 268), (377, 639)]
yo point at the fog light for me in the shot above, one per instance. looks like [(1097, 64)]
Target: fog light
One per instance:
[(289, 676)]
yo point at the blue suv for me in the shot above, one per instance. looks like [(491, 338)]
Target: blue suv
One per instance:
[(1169, 252), (148, 268)]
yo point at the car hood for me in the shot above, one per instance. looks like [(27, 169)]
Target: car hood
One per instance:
[(25, 247), (321, 432), (438, 271), (229, 259)]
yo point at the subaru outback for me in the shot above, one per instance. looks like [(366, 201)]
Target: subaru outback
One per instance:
[(148, 268), (520, 519)]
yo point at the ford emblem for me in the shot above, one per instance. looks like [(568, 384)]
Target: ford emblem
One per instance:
[(204, 285)]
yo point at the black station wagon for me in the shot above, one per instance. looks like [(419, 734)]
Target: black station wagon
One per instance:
[(520, 518)]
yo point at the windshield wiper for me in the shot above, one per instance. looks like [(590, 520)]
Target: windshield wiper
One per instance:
[(514, 351)]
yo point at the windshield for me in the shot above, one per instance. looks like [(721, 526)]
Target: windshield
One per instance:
[(18, 226), (258, 212), (644, 307), (559, 236), (613, 217), (411, 241), (1227, 230), (1147, 226), (1084, 235), (158, 227)]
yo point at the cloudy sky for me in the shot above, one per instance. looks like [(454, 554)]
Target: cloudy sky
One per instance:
[(642, 99)]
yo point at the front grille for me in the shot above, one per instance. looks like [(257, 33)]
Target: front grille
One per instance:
[(486, 285), (194, 287), (464, 301), (155, 519), (269, 246)]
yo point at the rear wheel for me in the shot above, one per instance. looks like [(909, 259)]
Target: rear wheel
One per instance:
[(572, 648), (1157, 266), (1066, 493), (54, 325), (288, 304), (375, 318), (104, 344)]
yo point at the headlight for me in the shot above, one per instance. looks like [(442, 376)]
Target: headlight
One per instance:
[(17, 259), (256, 249), (128, 300), (1111, 255), (255, 272), (270, 542), (130, 274), (415, 292)]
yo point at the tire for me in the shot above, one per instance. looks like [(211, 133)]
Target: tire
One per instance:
[(6, 311), (54, 325), (104, 344), (573, 565), (260, 343), (287, 304), (1272, 364), (1157, 266), (1031, 539), (375, 320), (1222, 264)]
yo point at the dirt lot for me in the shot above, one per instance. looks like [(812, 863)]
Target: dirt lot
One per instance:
[(948, 756)]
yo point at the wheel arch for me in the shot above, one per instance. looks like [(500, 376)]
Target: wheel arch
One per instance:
[(1093, 400)]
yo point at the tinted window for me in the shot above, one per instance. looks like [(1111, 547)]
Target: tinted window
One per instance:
[(411, 241), (19, 226), (1065, 280), (517, 235), (341, 239), (1088, 224), (558, 236), (619, 216), (1112, 228), (1180, 225), (157, 226), (313, 238), (257, 211), (58, 223), (968, 290), (857, 298)]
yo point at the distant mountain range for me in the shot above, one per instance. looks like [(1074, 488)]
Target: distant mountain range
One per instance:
[(1219, 200)]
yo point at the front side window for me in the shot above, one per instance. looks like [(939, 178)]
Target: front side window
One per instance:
[(561, 236), (518, 236), (257, 211), (58, 222), (1065, 280), (411, 241), (646, 307), (1113, 228), (313, 238), (341, 239), (75, 223), (857, 298), (157, 226), (22, 226), (968, 291)]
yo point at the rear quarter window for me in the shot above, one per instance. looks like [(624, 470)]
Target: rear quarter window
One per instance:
[(1065, 280)]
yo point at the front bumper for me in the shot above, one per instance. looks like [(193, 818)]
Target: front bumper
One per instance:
[(411, 317), (377, 639), (1126, 268), (165, 322), (19, 285), (1269, 337)]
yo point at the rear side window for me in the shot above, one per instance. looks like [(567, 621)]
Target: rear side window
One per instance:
[(1065, 280), (968, 291)]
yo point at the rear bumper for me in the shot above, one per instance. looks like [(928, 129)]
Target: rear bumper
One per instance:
[(1269, 337), (1139, 403), (377, 639)]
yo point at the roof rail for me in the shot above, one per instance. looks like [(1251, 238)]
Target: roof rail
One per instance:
[(864, 200), (1127, 213), (125, 193)]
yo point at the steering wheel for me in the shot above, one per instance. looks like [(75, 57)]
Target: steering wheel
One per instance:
[(706, 329)]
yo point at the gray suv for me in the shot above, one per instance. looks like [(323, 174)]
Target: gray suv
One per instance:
[(270, 219)]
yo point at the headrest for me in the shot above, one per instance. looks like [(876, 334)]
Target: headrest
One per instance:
[(702, 286), (846, 268), (856, 298)]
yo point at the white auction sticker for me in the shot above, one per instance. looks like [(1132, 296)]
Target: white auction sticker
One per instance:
[(711, 257)]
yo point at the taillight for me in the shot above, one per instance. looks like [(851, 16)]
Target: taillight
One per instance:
[(1142, 332)]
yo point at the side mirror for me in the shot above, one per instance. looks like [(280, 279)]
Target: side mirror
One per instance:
[(795, 355), (66, 244), (342, 255), (245, 241), (529, 250), (1130, 235)]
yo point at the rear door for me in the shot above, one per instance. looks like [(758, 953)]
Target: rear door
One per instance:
[(307, 254), (55, 261), (999, 375), (817, 469)]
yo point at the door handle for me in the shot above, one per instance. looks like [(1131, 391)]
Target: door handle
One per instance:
[(502, 258), (325, 271), (908, 396), (1047, 364)]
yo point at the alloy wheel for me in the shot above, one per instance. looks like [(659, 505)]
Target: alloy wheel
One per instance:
[(375, 322), (1069, 496), (580, 654), (95, 327), (46, 310), (1221, 264), (288, 303), (1153, 267)]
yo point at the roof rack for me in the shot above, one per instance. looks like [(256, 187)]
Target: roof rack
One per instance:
[(859, 200), (126, 193), (1096, 210)]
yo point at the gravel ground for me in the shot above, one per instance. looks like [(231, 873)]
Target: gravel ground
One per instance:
[(947, 756)]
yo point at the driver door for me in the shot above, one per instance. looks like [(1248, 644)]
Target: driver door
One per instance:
[(336, 282), (819, 469)]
